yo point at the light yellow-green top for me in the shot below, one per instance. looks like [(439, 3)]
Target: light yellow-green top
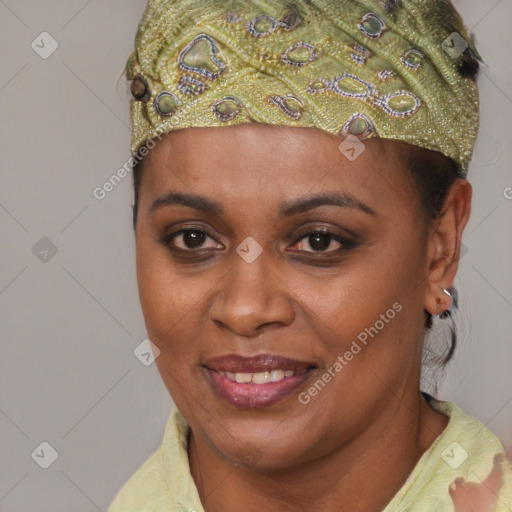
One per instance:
[(466, 450)]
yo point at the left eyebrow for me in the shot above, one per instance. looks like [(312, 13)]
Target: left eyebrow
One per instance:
[(333, 199)]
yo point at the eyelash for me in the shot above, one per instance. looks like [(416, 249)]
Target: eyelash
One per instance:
[(346, 244)]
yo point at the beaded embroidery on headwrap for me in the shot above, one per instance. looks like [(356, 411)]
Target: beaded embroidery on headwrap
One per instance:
[(370, 68)]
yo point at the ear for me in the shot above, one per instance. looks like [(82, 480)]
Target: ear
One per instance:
[(444, 245)]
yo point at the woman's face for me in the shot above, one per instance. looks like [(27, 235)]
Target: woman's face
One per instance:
[(266, 256)]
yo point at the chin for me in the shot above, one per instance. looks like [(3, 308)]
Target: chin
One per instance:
[(258, 444), (262, 456)]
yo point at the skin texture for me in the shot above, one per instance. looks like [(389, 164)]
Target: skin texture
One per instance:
[(356, 441)]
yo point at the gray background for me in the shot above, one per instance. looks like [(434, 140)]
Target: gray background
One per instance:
[(70, 321)]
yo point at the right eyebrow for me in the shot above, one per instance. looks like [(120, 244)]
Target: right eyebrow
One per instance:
[(198, 202)]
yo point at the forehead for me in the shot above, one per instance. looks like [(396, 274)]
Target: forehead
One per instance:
[(261, 163)]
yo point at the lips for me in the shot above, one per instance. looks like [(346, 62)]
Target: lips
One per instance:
[(256, 381), (260, 363)]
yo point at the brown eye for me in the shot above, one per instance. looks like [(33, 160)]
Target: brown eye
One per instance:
[(193, 239), (320, 240), (190, 239)]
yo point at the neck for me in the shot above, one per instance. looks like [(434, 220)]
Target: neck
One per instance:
[(362, 475)]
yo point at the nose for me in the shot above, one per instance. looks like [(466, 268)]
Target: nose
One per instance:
[(252, 297)]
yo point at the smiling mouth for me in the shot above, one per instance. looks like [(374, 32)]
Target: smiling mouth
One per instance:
[(261, 377), (257, 381)]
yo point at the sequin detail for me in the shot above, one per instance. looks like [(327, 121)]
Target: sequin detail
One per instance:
[(262, 25), (371, 25), (200, 56), (385, 74), (318, 85), (233, 17), (226, 108), (296, 56), (191, 85), (290, 104), (359, 125), (397, 104), (412, 59), (140, 89), (351, 86), (166, 103), (360, 54), (400, 103)]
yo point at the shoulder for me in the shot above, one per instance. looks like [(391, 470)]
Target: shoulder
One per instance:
[(155, 485), (466, 467), (146, 490), (466, 444)]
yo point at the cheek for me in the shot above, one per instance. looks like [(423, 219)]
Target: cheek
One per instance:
[(379, 295), (354, 296), (170, 307), (171, 300), (164, 299), (389, 294)]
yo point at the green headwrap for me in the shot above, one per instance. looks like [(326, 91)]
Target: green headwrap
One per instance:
[(395, 69)]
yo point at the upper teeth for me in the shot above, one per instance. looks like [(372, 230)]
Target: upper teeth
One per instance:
[(259, 377)]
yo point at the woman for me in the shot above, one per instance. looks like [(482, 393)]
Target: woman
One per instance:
[(290, 263)]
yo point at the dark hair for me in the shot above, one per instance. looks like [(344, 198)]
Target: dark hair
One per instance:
[(433, 179), (137, 176)]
